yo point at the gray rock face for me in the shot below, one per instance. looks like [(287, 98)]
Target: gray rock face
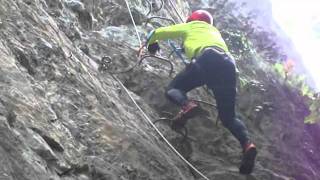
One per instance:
[(63, 119)]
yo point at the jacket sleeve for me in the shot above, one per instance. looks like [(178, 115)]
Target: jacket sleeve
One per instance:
[(169, 32)]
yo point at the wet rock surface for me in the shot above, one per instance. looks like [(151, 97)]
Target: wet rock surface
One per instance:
[(64, 118)]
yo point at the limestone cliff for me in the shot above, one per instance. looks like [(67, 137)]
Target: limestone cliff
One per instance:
[(64, 117)]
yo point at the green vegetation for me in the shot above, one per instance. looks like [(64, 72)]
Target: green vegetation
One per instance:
[(315, 112), (298, 82)]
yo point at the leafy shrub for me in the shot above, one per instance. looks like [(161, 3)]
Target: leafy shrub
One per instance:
[(299, 82), (314, 115)]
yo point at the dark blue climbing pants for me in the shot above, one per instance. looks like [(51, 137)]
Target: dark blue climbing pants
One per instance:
[(217, 71)]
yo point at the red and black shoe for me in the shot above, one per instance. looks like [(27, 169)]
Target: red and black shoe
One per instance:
[(189, 110), (249, 155)]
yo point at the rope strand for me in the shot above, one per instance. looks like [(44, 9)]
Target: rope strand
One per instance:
[(134, 23)]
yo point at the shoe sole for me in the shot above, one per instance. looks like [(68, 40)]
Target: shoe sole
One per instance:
[(248, 161)]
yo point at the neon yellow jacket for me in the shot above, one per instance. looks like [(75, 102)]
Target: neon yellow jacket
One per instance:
[(196, 36)]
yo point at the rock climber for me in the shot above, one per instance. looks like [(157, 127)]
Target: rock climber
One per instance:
[(212, 65)]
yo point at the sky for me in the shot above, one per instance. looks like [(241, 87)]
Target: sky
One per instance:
[(300, 19)]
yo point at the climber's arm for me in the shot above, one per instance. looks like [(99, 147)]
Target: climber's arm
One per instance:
[(169, 32)]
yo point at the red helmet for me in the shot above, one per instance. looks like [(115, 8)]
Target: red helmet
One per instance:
[(201, 15)]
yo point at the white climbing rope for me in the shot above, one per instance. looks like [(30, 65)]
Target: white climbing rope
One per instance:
[(145, 115), (134, 23)]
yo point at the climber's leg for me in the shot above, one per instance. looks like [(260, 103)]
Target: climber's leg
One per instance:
[(185, 81)]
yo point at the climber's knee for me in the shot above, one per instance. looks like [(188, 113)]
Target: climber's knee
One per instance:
[(176, 96)]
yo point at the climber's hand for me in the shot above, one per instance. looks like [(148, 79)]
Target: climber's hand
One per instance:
[(153, 48)]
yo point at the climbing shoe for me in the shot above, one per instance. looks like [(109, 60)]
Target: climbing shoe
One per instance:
[(249, 156), (189, 110)]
